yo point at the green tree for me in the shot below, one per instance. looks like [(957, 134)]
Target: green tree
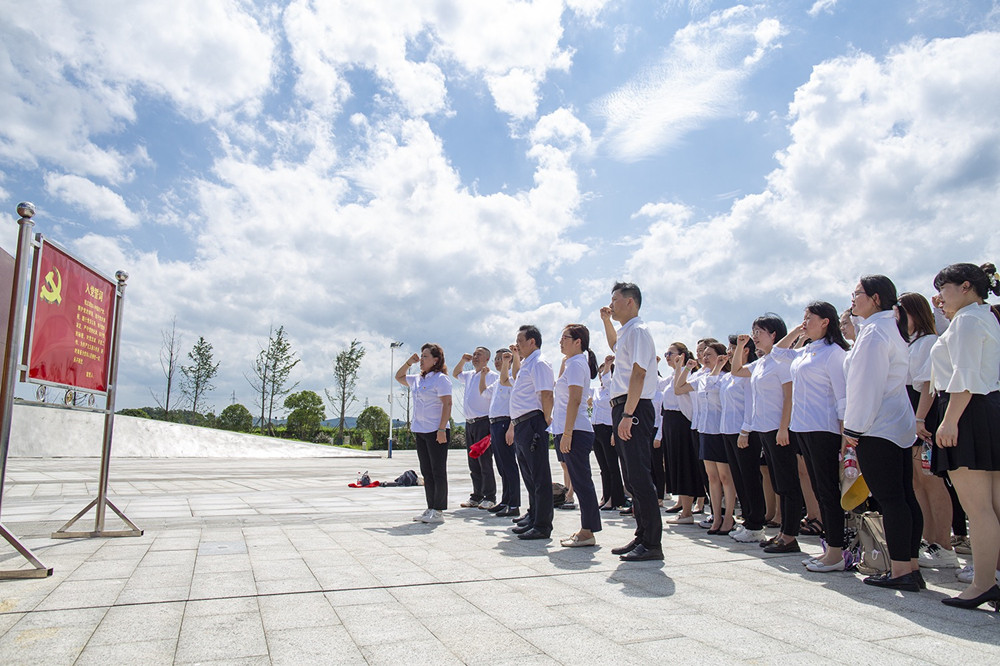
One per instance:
[(345, 377), (269, 376), (197, 377), (136, 412), (307, 413), (374, 421), (236, 418)]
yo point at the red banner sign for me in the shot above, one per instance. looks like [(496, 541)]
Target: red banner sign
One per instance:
[(70, 337)]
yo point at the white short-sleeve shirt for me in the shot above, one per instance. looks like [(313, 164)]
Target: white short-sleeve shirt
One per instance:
[(967, 356), (476, 404), (534, 377), (734, 394), (819, 386), (602, 402), (634, 347), (575, 373), (427, 393), (919, 371), (767, 377), (499, 396)]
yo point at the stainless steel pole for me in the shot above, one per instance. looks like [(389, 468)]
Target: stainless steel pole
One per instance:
[(109, 417)]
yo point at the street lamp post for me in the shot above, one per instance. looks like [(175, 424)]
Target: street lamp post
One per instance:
[(392, 378)]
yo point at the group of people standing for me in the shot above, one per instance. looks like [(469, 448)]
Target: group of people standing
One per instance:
[(731, 421)]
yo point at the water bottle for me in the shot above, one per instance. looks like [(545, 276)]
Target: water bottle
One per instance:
[(850, 464), (925, 458)]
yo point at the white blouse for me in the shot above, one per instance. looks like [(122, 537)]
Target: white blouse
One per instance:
[(709, 404), (967, 356), (534, 377), (575, 373), (666, 385), (734, 394), (602, 402), (767, 377), (499, 396), (918, 372), (427, 393), (819, 386), (877, 402)]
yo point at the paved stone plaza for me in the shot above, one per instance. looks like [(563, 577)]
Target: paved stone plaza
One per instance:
[(278, 561)]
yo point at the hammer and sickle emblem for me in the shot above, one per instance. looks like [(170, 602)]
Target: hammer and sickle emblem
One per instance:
[(52, 290)]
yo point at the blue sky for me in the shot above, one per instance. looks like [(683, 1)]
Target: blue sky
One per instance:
[(449, 170)]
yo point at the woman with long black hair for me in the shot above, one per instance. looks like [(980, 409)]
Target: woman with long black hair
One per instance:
[(966, 371), (818, 400), (879, 423), (682, 455), (431, 391), (612, 486)]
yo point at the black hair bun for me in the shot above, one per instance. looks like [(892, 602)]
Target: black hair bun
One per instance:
[(991, 275)]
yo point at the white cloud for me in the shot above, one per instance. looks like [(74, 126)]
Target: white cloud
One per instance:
[(99, 202), (893, 167), (822, 6), (697, 79)]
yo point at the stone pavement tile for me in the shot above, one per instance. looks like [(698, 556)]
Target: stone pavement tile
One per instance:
[(432, 600), (343, 578), (344, 598), (229, 584), (160, 558), (103, 569), (797, 658), (323, 644), (572, 642), (55, 637), (83, 594), (478, 643), (139, 623), (681, 650), (271, 553), (841, 645), (162, 576), (418, 652), (143, 594), (8, 620), (295, 611), (221, 563), (729, 638), (394, 625), (549, 591), (129, 652), (287, 586), (220, 636), (515, 612), (933, 650), (205, 607), (621, 625), (117, 550), (20, 597)]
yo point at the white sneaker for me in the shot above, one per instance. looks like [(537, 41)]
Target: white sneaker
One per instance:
[(422, 517), (706, 523), (434, 516), (736, 530), (965, 574), (486, 504), (470, 504), (936, 557), (750, 536)]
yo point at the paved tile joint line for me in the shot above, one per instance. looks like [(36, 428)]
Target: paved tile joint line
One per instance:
[(277, 561)]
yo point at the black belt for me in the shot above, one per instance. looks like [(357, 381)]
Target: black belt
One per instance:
[(475, 420), (524, 417), (498, 419), (620, 400)]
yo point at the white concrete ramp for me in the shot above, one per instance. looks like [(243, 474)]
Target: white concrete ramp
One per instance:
[(43, 432)]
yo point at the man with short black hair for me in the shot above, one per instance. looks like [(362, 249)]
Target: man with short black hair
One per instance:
[(477, 426), (531, 413), (633, 386)]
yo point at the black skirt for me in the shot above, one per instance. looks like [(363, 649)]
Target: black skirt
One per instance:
[(978, 436), (682, 455)]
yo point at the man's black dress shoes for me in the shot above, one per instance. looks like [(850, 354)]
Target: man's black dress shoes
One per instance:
[(627, 548), (641, 553), (533, 534)]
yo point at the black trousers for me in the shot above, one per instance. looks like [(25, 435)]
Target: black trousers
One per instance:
[(433, 459), (612, 486), (578, 465), (637, 455), (888, 471), (484, 483), (783, 463), (660, 468), (506, 463), (532, 442), (744, 465), (821, 451)]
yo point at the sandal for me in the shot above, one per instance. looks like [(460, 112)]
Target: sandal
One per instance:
[(773, 524), (811, 527)]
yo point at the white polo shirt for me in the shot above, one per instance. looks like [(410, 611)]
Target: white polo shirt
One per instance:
[(427, 393), (602, 402), (767, 377), (499, 396), (534, 376), (819, 386), (575, 373), (634, 346), (477, 404)]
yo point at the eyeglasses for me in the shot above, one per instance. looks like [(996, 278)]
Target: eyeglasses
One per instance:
[(854, 295)]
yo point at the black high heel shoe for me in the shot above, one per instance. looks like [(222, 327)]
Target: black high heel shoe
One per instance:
[(991, 595)]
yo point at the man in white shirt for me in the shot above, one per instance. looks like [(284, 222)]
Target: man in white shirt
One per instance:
[(633, 386), (477, 426), (531, 414)]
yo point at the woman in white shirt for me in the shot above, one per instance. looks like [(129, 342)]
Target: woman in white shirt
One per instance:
[(916, 324), (771, 392), (682, 454), (431, 391), (574, 436), (712, 448), (966, 372), (879, 423), (818, 401)]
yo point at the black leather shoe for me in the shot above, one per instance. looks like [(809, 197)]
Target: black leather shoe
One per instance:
[(674, 509), (641, 553), (627, 548), (533, 534), (522, 529), (906, 582), (991, 595), (497, 508), (920, 579), (526, 518), (625, 512), (509, 511), (778, 547)]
